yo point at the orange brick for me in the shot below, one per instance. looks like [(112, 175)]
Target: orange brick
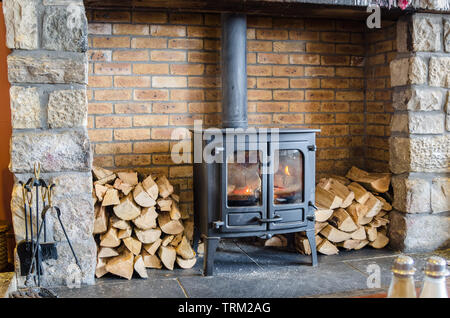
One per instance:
[(206, 107), (350, 49), (306, 107), (213, 94), (350, 95), (133, 29), (184, 119), (149, 17), (168, 30), (357, 107), (291, 71), (185, 44), (304, 83), (259, 119), (272, 58), (148, 43), (162, 159), (132, 160), (375, 130), (103, 161), (169, 108), (357, 129), (132, 134), (112, 148), (271, 34), (251, 82), (335, 60), (173, 56), (259, 46), (112, 122), (259, 22), (203, 32), (303, 35), (111, 16), (319, 24), (100, 108), (334, 153), (90, 122), (111, 42), (131, 108), (169, 81), (203, 57), (150, 68), (289, 118), (272, 107), (326, 142), (113, 94), (99, 28), (212, 45), (319, 94), (319, 71), (259, 94), (334, 83), (186, 18), (187, 94), (99, 55), (319, 118), (383, 119), (335, 36), (288, 95), (100, 81), (212, 69), (134, 55), (284, 46), (251, 34), (320, 47), (212, 120), (272, 82), (251, 58), (186, 196), (112, 68), (259, 70), (334, 130), (187, 69), (100, 134), (180, 171), (150, 120), (350, 118), (349, 72), (151, 94), (310, 59), (150, 147), (131, 81), (335, 107), (169, 133), (204, 82)]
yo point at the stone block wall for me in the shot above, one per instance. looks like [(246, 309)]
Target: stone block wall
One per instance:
[(420, 135), (48, 72)]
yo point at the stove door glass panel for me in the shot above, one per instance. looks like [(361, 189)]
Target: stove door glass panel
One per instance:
[(244, 179), (288, 179)]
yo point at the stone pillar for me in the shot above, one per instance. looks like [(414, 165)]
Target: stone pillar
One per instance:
[(48, 71), (420, 133)]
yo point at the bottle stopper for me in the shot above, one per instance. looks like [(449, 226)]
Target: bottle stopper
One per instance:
[(436, 267), (403, 266)]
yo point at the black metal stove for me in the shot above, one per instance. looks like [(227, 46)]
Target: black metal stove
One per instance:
[(261, 182)]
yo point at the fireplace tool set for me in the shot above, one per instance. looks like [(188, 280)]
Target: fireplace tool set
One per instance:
[(32, 251)]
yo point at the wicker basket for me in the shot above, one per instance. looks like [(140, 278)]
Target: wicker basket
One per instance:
[(3, 245)]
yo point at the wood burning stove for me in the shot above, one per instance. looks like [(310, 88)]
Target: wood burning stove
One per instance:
[(261, 182)]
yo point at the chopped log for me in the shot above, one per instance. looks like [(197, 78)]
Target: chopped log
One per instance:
[(175, 197), (111, 197), (100, 191), (184, 249), (148, 236), (110, 239), (122, 186), (186, 263), (349, 244), (139, 266), (176, 240), (147, 219), (276, 241), (133, 245), (128, 177), (358, 213), (327, 199), (382, 213), (386, 205), (169, 226), (327, 248), (164, 186), (121, 265), (164, 204), (373, 206), (323, 214), (100, 269), (359, 234), (167, 254), (302, 244), (341, 179), (334, 235), (94, 198), (122, 234), (318, 239), (361, 194), (341, 191), (127, 209), (142, 197), (106, 180), (378, 221), (119, 223), (378, 182), (101, 173), (381, 241), (175, 212), (107, 252), (362, 243), (371, 232), (343, 221), (153, 247), (151, 260), (150, 187), (101, 220), (318, 226), (167, 239)]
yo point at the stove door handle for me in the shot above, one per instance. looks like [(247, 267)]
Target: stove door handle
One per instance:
[(277, 218)]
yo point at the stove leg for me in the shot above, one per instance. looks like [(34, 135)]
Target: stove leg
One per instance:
[(211, 244), (312, 243)]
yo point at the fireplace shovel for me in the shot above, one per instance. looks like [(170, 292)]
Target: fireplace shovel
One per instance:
[(25, 247), (48, 249)]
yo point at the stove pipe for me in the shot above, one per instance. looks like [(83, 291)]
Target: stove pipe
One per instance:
[(234, 70)]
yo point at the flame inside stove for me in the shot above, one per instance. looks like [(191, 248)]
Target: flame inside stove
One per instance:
[(286, 171)]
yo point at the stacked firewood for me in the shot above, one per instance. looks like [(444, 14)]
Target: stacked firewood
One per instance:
[(353, 211), (138, 224)]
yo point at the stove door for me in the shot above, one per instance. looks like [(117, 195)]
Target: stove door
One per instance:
[(289, 184), (244, 204)]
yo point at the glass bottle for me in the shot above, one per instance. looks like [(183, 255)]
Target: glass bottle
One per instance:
[(434, 282), (402, 283)]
